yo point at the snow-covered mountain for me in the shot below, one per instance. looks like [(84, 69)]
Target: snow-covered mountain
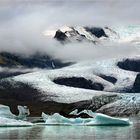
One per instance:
[(110, 86), (79, 33), (93, 34)]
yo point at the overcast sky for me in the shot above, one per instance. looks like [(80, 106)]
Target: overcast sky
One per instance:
[(23, 21), (98, 12)]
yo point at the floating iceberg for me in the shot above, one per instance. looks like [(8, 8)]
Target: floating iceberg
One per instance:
[(9, 119), (96, 119), (6, 122), (6, 113)]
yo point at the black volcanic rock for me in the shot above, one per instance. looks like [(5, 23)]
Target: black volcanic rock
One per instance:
[(136, 86), (79, 82), (130, 64), (98, 32), (109, 78), (59, 35)]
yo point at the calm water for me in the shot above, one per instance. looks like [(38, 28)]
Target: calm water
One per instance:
[(131, 132)]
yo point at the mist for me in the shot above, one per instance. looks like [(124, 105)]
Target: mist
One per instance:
[(22, 23)]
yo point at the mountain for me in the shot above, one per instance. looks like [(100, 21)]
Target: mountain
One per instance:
[(79, 33), (124, 34), (110, 86), (37, 60)]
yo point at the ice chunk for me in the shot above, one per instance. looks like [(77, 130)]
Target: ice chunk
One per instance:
[(57, 119), (9, 119), (23, 112), (97, 119), (88, 112), (101, 119), (75, 112), (6, 113), (6, 122)]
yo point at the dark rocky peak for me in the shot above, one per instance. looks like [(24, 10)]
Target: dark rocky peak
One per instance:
[(59, 35), (97, 31), (79, 34)]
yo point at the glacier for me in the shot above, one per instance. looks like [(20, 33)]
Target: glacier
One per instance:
[(109, 88), (109, 101), (43, 80)]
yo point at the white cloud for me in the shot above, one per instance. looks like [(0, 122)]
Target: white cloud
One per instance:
[(23, 21)]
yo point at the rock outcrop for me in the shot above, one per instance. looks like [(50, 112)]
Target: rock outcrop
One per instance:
[(79, 82), (130, 64), (136, 86), (59, 35), (98, 32)]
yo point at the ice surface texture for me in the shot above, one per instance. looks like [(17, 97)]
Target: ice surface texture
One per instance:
[(6, 113), (6, 122), (96, 119), (7, 119)]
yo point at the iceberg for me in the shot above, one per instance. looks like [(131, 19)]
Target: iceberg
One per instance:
[(57, 119), (6, 113), (96, 119), (7, 119), (6, 122)]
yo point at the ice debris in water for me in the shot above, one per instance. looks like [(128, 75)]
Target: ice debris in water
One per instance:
[(96, 119), (23, 112), (9, 119), (6, 122)]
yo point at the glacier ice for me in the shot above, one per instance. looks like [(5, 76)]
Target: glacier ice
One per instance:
[(6, 113), (96, 119), (75, 112), (7, 122), (7, 119)]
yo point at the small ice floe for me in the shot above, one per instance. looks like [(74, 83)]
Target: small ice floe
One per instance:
[(7, 119), (6, 122), (6, 113), (95, 119)]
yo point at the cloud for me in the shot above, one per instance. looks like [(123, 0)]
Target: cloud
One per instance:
[(100, 12), (88, 51), (22, 23)]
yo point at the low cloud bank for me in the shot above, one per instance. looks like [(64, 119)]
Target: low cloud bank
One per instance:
[(22, 24)]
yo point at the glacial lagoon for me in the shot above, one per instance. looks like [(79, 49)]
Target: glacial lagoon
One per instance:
[(51, 132)]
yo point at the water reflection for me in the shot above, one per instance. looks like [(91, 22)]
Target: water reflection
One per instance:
[(73, 132)]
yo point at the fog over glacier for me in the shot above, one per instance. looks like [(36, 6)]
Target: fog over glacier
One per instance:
[(22, 24)]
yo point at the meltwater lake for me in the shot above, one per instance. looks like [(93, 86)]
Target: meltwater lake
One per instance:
[(39, 132)]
